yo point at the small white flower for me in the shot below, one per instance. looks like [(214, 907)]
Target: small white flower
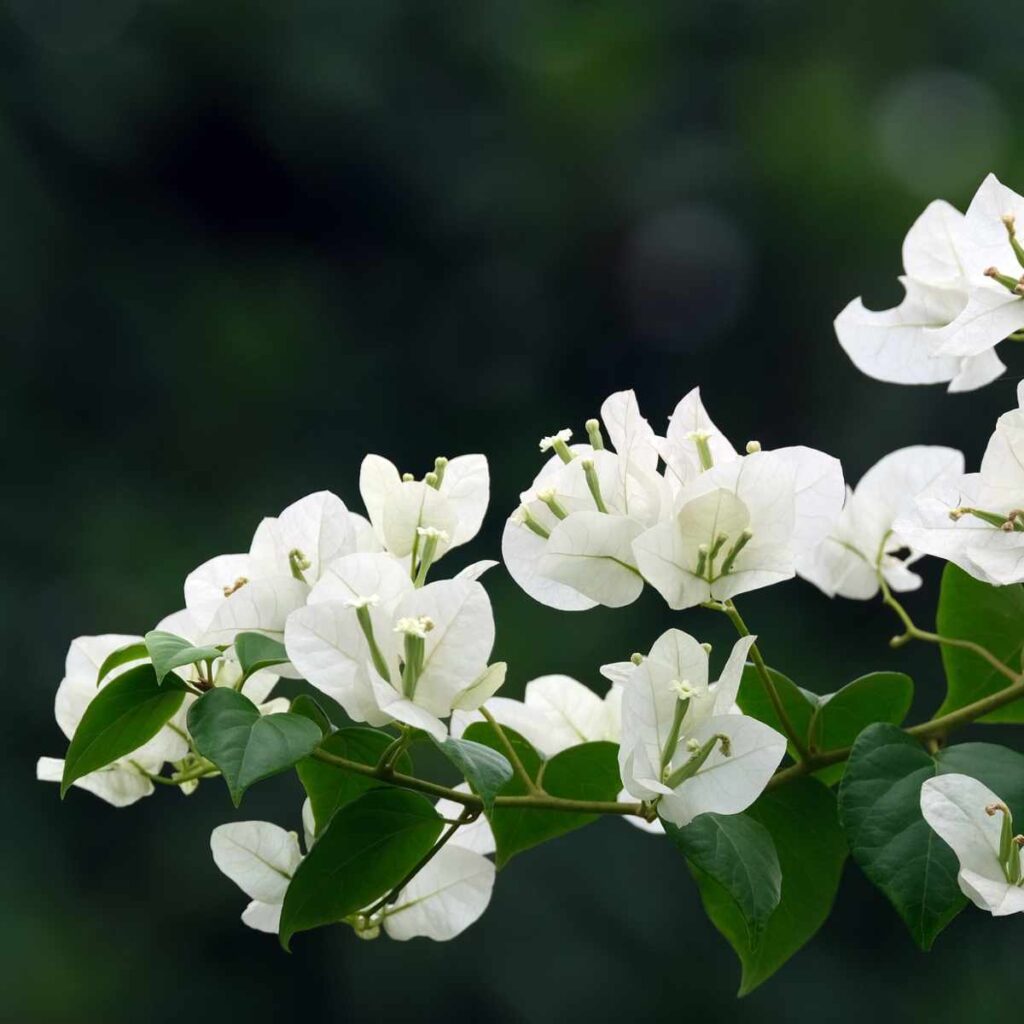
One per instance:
[(907, 344), (362, 656), (976, 520), (363, 601), (557, 712), (977, 825), (418, 627), (683, 688), (863, 541), (432, 533), (548, 443), (692, 754)]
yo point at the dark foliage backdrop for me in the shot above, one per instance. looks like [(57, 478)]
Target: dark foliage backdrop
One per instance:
[(245, 242)]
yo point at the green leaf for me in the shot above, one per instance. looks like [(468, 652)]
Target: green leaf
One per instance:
[(589, 771), (999, 768), (801, 819), (330, 788), (369, 847), (841, 716), (739, 854), (754, 701), (485, 769), (880, 810), (310, 708), (126, 713), (256, 651), (990, 616), (246, 746), (122, 656), (169, 652)]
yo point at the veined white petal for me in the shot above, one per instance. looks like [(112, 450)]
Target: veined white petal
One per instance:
[(444, 899), (327, 645), (259, 857), (457, 648), (522, 551), (592, 553), (727, 784), (467, 486)]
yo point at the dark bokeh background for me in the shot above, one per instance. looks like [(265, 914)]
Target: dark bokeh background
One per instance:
[(244, 243)]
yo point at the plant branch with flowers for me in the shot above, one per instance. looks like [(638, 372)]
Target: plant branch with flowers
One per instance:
[(765, 788)]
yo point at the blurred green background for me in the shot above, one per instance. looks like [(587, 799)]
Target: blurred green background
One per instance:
[(245, 243)]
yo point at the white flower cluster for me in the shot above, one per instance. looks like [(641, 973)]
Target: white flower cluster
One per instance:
[(131, 778), (688, 513), (963, 289), (712, 524), (685, 748), (976, 520), (349, 597), (443, 900)]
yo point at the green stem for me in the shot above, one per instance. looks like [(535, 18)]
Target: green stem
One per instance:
[(934, 729), (510, 752), (766, 680), (466, 817), (912, 632), (393, 751), (199, 772), (537, 801)]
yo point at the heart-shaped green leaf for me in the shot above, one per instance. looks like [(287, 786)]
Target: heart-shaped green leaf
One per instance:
[(330, 787), (485, 769), (169, 652), (880, 809), (246, 746), (256, 651), (589, 771), (992, 617), (309, 707), (126, 713), (122, 656), (801, 819), (841, 716), (369, 847), (738, 853), (755, 702)]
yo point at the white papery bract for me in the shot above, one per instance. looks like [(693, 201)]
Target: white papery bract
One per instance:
[(257, 591), (445, 898), (557, 712), (568, 545), (977, 825), (388, 651), (863, 542), (745, 524), (260, 858), (905, 345), (683, 744), (976, 520), (453, 504), (692, 442), (595, 525), (125, 781), (984, 249)]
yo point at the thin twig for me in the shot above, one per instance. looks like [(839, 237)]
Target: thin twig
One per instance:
[(766, 680), (517, 765)]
